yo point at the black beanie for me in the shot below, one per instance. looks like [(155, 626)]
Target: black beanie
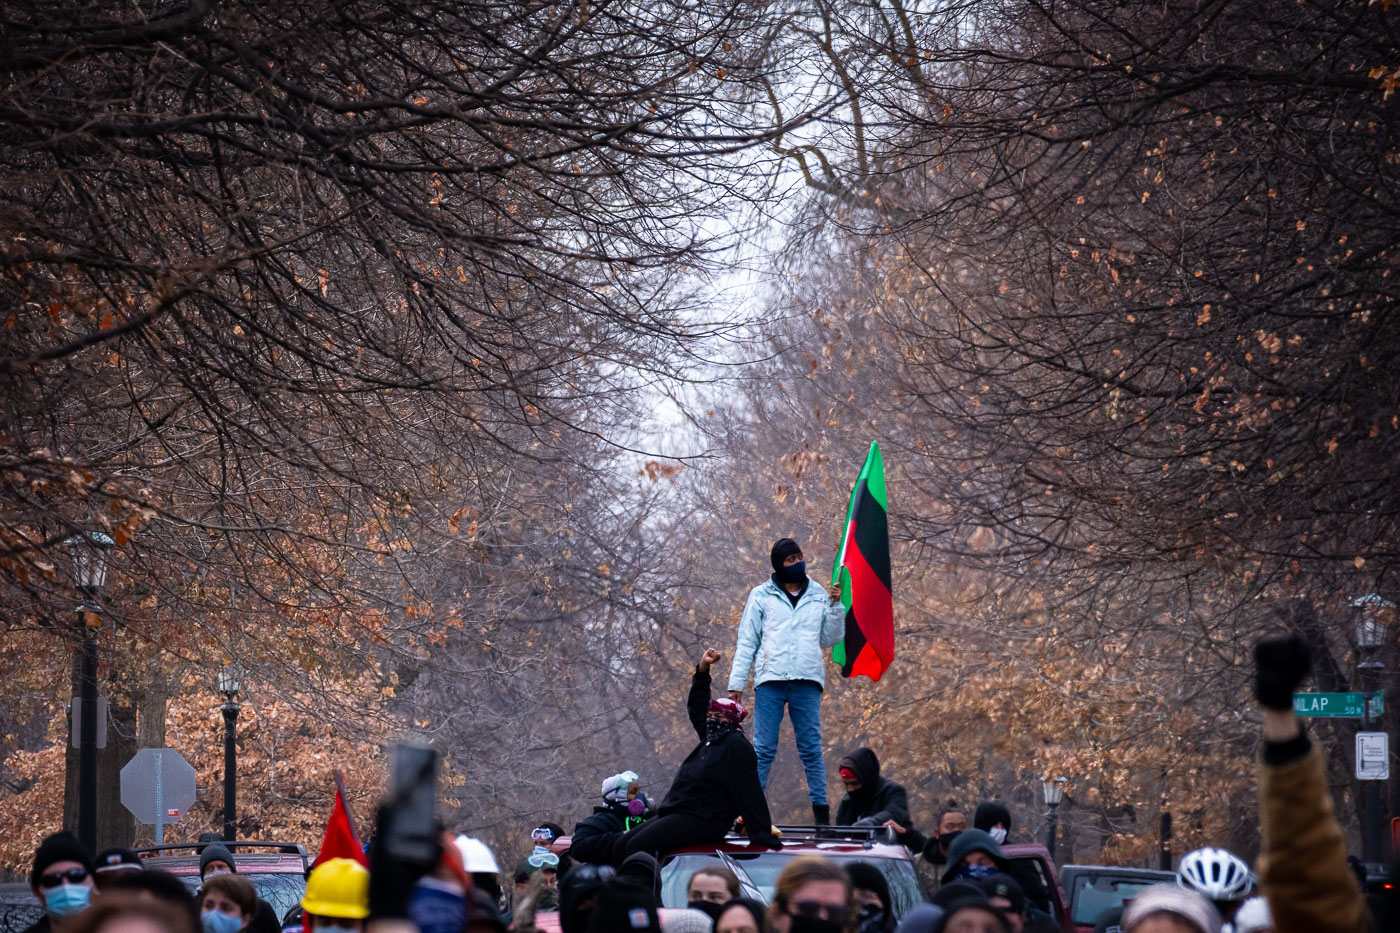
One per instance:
[(622, 906), (990, 813), (219, 852), (62, 846), (782, 549)]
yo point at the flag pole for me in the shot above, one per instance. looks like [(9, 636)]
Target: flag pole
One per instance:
[(345, 801)]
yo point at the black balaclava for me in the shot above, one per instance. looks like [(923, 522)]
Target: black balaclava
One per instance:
[(867, 876), (783, 548)]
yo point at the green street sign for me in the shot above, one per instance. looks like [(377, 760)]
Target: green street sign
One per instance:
[(1337, 705)]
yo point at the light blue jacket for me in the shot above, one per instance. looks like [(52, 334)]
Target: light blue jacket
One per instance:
[(780, 641)]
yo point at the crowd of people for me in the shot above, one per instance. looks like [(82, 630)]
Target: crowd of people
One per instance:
[(609, 878)]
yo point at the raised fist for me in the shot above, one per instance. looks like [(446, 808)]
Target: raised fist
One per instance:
[(1280, 664), (711, 656)]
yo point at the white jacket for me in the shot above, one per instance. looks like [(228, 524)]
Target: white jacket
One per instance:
[(780, 641)]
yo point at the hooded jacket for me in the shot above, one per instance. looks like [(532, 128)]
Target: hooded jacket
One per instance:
[(974, 840), (718, 781), (989, 813), (780, 641), (594, 837), (876, 800)]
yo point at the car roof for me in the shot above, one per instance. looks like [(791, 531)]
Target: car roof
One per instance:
[(17, 892), (826, 846), (1127, 871), (862, 840), (246, 863)]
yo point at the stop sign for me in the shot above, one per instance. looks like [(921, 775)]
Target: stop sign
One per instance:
[(157, 785)]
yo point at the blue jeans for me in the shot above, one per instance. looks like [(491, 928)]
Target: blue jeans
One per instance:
[(803, 700)]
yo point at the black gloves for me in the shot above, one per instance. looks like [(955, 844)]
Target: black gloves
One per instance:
[(1280, 664)]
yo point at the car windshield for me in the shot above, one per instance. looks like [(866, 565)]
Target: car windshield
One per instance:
[(282, 890), (1091, 896), (764, 868)]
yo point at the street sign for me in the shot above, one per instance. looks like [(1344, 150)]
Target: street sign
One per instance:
[(157, 786), (1372, 756), (1348, 705), (77, 709)]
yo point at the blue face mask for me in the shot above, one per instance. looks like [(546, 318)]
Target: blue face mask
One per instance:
[(795, 573), (214, 921), (67, 899), (977, 872)]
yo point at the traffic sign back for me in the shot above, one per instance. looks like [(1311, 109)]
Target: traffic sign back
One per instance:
[(158, 782)]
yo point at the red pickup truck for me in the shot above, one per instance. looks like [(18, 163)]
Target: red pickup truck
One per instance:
[(1035, 868)]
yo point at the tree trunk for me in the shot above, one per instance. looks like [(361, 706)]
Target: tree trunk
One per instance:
[(115, 824), (151, 704)]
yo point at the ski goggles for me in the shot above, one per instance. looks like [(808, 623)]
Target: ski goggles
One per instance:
[(541, 859)]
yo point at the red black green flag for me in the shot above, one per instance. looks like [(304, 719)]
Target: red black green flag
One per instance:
[(863, 568)]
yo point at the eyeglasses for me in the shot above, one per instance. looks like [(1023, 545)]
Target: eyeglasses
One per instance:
[(54, 878), (543, 859), (836, 913)]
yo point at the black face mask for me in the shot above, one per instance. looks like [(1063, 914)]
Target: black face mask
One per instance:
[(709, 908), (802, 924), (794, 573), (716, 729)]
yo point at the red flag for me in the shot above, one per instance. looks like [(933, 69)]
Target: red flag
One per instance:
[(340, 841)]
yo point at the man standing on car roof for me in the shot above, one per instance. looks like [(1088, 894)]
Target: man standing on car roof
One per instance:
[(787, 622)]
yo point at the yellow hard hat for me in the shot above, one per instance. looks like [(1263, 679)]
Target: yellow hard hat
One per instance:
[(338, 887)]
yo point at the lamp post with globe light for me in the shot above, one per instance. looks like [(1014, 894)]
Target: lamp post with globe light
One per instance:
[(1375, 614), (89, 553), (230, 682), (1053, 790)]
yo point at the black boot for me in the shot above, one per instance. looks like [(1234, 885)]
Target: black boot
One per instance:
[(821, 814)]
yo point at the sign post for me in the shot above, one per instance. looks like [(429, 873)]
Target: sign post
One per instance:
[(157, 786)]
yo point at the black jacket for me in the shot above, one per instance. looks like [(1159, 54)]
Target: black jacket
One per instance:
[(718, 782), (593, 838), (878, 799)]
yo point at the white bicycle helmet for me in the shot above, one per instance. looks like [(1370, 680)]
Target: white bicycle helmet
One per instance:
[(1254, 917), (1215, 874)]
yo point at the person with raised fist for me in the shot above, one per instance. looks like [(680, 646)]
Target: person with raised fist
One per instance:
[(1303, 867), (717, 782)]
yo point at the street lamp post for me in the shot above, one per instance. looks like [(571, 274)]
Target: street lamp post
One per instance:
[(1054, 792), (230, 682), (1370, 636), (89, 553)]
